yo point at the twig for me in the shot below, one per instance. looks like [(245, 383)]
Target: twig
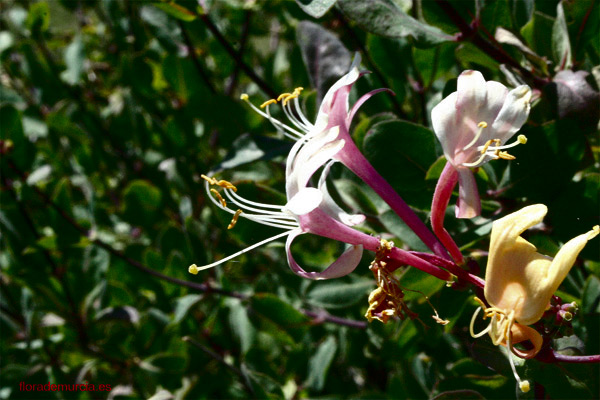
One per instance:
[(243, 40), (192, 52), (326, 317), (237, 57), (470, 32)]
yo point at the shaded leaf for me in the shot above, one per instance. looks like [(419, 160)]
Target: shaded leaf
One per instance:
[(315, 8), (386, 18), (319, 364), (324, 55)]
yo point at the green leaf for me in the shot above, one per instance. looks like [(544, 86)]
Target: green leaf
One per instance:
[(247, 148), (336, 294), (315, 8), (394, 224), (386, 18), (561, 46), (240, 324), (324, 55), (141, 202), (402, 152), (319, 364), (183, 306), (74, 58), (590, 300), (41, 174), (175, 10), (38, 19), (280, 316)]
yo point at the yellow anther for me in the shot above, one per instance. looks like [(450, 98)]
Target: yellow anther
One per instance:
[(234, 219), (505, 156), (282, 95), (226, 185), (268, 102), (299, 89), (210, 180), (486, 145), (524, 386), (244, 96), (193, 269), (482, 124), (223, 183), (221, 199), (522, 139), (290, 97)]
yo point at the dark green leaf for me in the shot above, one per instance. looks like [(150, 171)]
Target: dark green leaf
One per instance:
[(386, 18)]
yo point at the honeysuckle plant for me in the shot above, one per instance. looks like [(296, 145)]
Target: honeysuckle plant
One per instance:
[(473, 124), (520, 282)]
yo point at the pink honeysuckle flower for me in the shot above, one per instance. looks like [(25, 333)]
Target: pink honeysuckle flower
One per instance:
[(309, 210), (312, 210), (335, 112), (473, 124)]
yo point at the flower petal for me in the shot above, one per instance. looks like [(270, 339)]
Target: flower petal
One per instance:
[(471, 90), (468, 204), (443, 120), (330, 207), (304, 201), (521, 333), (513, 114), (345, 264)]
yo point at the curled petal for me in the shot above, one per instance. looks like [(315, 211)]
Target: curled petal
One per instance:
[(345, 264), (363, 99), (468, 204), (521, 333)]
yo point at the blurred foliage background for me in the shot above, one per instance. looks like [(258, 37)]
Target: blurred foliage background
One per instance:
[(111, 110)]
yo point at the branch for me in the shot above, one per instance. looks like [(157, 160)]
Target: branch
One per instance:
[(237, 57), (192, 52), (470, 32)]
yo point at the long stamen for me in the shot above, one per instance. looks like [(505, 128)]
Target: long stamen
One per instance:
[(523, 385), (471, 330), (521, 139), (307, 123), (275, 122), (194, 269), (482, 125), (477, 162)]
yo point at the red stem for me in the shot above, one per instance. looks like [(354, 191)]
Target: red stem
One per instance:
[(441, 198)]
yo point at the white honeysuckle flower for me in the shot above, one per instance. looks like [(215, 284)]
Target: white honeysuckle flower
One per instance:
[(519, 281), (473, 124)]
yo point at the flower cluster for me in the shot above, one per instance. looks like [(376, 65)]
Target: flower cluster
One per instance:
[(473, 126)]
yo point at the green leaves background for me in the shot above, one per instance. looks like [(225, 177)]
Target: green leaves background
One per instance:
[(111, 110)]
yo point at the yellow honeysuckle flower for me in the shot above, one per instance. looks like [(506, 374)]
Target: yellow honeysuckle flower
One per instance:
[(520, 281)]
